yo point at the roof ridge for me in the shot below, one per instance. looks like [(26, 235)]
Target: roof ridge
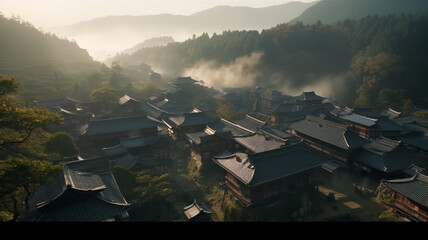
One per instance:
[(369, 118), (236, 125), (329, 123), (253, 118)]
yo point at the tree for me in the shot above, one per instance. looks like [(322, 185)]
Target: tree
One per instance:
[(18, 123), (105, 99), (151, 187), (20, 179), (225, 110), (62, 144)]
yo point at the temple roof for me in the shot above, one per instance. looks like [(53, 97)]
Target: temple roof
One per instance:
[(329, 132), (309, 96), (414, 188), (260, 168)]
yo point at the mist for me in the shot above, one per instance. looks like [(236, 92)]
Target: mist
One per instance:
[(241, 73)]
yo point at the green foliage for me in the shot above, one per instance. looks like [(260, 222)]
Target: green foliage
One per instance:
[(126, 181), (391, 215), (421, 114), (62, 144), (225, 208), (18, 123), (225, 110), (152, 187), (20, 178), (105, 99), (193, 170)]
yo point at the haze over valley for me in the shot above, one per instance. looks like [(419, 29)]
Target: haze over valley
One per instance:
[(190, 110)]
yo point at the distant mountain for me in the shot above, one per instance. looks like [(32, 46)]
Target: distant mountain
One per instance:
[(331, 11), (102, 35), (152, 42)]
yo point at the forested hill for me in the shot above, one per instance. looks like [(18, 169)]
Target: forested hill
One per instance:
[(372, 61), (46, 65), (331, 11), (23, 44)]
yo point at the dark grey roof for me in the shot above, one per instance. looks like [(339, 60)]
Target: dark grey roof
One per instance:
[(127, 161), (329, 132), (207, 134), (115, 150), (192, 119), (165, 104), (285, 108), (223, 125), (414, 188), (365, 121), (116, 125), (367, 112), (385, 162), (126, 99), (259, 143), (59, 109), (275, 132), (259, 168), (419, 141), (391, 113), (250, 123), (195, 209), (79, 196), (183, 80), (152, 110), (384, 144), (139, 141), (309, 96)]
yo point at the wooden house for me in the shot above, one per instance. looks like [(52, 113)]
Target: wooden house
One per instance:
[(128, 104), (149, 148), (76, 196), (286, 112), (262, 176), (106, 132), (331, 138), (188, 122), (409, 196), (308, 99), (384, 158)]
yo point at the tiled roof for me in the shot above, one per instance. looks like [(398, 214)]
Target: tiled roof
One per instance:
[(367, 112), (259, 143), (139, 141), (309, 96), (115, 150), (126, 99), (79, 196), (365, 121), (183, 80), (192, 119), (250, 123), (259, 168), (115, 125), (285, 108), (224, 125), (329, 132), (195, 209), (207, 134), (385, 162), (274, 132), (414, 188), (419, 141)]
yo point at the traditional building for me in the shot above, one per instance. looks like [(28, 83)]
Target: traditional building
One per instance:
[(328, 137), (106, 132), (409, 196), (260, 142), (384, 158), (147, 149), (286, 112), (129, 105), (259, 177), (308, 99), (188, 122), (197, 212), (250, 123), (76, 196)]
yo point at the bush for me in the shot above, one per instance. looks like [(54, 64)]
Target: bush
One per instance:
[(62, 144)]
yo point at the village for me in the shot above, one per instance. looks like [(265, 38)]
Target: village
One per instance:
[(350, 164)]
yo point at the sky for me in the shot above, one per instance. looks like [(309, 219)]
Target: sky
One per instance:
[(54, 13)]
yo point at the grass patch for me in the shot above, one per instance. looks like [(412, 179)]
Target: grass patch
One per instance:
[(391, 215)]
